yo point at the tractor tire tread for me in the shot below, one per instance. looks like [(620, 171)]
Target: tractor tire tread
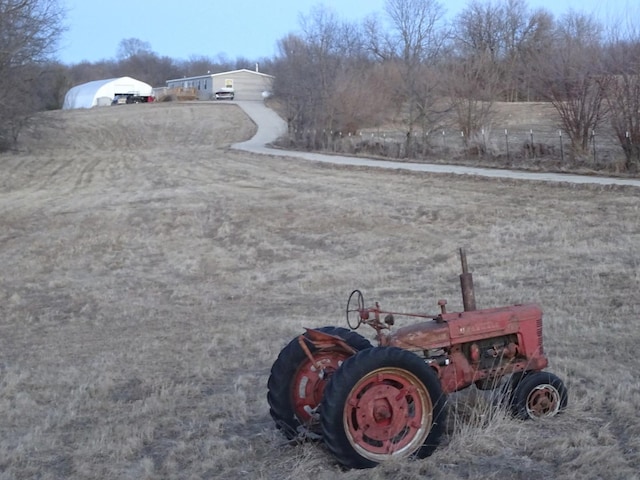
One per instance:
[(343, 381), (283, 370), (526, 383)]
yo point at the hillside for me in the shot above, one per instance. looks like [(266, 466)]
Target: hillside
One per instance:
[(150, 276)]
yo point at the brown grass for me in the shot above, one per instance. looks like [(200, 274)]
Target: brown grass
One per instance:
[(150, 277)]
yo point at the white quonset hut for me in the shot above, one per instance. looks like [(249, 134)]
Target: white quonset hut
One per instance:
[(103, 92), (246, 84)]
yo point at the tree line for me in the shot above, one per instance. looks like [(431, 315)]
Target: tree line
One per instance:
[(410, 62), (437, 72)]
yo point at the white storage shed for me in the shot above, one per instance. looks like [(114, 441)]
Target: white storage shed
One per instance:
[(103, 92)]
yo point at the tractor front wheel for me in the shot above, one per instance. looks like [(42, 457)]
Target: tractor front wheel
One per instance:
[(383, 403), (296, 385), (538, 395)]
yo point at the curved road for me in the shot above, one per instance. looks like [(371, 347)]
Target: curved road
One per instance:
[(271, 126)]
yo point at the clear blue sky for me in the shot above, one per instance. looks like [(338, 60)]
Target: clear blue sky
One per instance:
[(235, 28)]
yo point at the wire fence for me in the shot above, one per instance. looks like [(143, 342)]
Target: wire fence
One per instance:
[(507, 146)]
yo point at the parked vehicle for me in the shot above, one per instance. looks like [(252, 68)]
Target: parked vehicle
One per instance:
[(122, 99), (225, 94)]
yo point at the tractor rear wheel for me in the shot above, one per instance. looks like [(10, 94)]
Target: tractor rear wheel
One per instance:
[(538, 395), (383, 403), (296, 386)]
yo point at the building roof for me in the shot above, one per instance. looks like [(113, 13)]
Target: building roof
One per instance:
[(221, 74)]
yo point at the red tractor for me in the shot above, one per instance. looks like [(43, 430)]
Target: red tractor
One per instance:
[(370, 404)]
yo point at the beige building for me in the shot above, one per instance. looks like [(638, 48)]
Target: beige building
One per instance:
[(246, 84)]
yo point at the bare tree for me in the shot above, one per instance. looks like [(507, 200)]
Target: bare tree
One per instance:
[(200, 64), (147, 67), (130, 47), (504, 33), (308, 70), (376, 40), (363, 96), (623, 99), (572, 78), (524, 32), (623, 88), (54, 82), (29, 32), (86, 71), (416, 39), (294, 83), (535, 42), (472, 86), (479, 31)]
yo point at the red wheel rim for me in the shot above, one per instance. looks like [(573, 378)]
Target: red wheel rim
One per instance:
[(310, 380), (543, 401), (388, 413)]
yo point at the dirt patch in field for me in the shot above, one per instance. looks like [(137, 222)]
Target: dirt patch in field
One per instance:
[(150, 276)]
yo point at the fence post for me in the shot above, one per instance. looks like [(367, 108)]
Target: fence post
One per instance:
[(631, 149), (484, 143), (561, 146), (593, 138), (506, 139), (533, 148)]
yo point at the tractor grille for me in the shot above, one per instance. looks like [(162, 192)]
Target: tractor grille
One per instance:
[(539, 325)]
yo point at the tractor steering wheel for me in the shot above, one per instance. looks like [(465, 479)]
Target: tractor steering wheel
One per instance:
[(355, 305)]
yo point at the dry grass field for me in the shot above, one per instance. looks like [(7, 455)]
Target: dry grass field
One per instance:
[(151, 275)]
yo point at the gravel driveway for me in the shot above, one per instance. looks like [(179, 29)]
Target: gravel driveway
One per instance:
[(271, 126)]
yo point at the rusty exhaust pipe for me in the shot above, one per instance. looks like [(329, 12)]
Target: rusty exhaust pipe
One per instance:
[(466, 285)]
